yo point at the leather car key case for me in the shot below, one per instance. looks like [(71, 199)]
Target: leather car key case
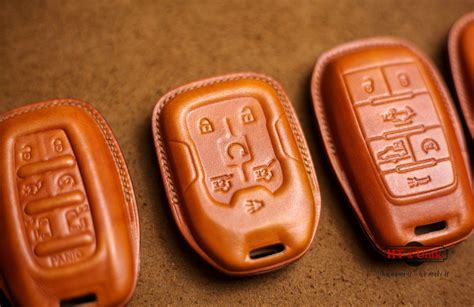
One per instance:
[(68, 218), (461, 57), (237, 172), (395, 143)]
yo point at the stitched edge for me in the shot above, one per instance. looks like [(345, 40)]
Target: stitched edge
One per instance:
[(307, 162), (328, 141), (457, 72)]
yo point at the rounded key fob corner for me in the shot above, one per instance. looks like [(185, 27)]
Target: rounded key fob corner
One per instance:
[(395, 143), (461, 58), (237, 172), (68, 209)]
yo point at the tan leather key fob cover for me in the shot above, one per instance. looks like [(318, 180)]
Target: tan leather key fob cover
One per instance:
[(68, 216), (395, 143), (237, 172)]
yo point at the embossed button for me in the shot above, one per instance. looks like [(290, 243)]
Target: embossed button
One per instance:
[(398, 154), (237, 172), (403, 79), (461, 58), (367, 85), (68, 211)]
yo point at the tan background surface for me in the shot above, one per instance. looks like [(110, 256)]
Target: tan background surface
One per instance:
[(121, 56)]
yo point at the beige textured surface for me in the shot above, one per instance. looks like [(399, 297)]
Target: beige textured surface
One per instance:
[(121, 56)]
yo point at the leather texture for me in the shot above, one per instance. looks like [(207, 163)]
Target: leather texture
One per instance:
[(69, 220), (237, 171), (461, 57), (395, 143)]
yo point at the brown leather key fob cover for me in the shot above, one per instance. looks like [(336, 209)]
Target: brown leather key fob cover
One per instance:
[(395, 143), (68, 215), (461, 57), (237, 172)]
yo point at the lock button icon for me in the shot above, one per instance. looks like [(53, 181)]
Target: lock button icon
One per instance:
[(205, 126), (404, 80), (58, 145), (246, 115), (368, 85)]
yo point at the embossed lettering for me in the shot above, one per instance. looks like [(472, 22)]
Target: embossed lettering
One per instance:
[(65, 258)]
